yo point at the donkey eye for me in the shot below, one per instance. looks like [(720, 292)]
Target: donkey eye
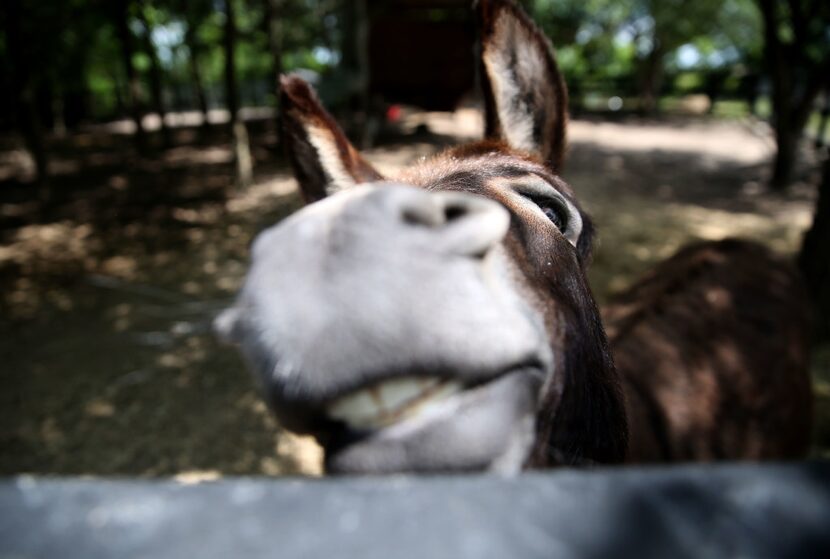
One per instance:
[(555, 214)]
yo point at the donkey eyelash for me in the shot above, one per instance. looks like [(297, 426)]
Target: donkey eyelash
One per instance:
[(556, 205), (548, 197), (556, 215), (561, 217)]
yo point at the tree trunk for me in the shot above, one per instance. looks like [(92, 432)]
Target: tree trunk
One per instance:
[(714, 81), (786, 143), (25, 88), (749, 91), (275, 39), (195, 72), (790, 119), (791, 102), (241, 147), (786, 134), (134, 103), (651, 78), (156, 86), (58, 109), (199, 89), (273, 29), (814, 259), (822, 125), (355, 50), (120, 95)]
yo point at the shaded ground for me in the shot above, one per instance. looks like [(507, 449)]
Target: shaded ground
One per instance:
[(108, 289)]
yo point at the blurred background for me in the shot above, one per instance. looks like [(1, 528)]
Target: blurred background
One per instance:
[(140, 154)]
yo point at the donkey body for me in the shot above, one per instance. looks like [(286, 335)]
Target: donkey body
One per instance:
[(711, 347), (441, 319)]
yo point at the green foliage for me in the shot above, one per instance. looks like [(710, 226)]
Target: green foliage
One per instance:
[(590, 51), (78, 51), (688, 82), (601, 44)]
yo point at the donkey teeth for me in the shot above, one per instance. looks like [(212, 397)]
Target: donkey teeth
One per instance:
[(390, 401), (396, 393)]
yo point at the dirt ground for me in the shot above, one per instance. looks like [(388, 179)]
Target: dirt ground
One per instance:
[(109, 287)]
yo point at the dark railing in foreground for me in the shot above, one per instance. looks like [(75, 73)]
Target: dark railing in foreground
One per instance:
[(690, 511)]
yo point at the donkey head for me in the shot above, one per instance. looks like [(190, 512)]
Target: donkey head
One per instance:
[(440, 319)]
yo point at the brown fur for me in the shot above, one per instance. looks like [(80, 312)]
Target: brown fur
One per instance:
[(711, 348)]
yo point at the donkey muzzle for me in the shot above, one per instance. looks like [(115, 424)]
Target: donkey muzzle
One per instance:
[(366, 308)]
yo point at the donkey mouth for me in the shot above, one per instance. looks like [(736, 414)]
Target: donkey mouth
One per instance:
[(432, 423), (388, 402), (385, 402)]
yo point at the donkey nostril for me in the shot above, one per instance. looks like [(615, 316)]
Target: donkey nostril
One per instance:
[(421, 215), (472, 225), (435, 214), (455, 211), (456, 222)]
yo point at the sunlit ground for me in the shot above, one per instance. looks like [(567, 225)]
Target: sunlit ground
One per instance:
[(108, 291)]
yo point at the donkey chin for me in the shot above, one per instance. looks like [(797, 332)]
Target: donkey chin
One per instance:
[(389, 322)]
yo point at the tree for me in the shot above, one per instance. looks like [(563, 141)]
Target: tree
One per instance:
[(655, 29), (194, 13), (354, 66), (584, 33), (121, 14), (241, 146), (797, 56), (24, 80), (813, 259), (628, 43), (730, 53), (660, 27), (146, 17), (821, 129), (196, 79), (273, 30)]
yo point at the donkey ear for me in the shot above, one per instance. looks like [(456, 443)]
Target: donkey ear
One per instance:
[(524, 93), (324, 160)]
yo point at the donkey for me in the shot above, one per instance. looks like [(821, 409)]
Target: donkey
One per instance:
[(441, 319)]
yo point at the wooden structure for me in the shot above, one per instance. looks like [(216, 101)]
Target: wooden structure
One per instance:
[(421, 52)]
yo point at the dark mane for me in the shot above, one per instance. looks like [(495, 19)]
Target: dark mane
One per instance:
[(586, 422)]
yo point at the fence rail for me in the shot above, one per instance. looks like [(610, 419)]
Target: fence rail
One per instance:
[(691, 511)]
